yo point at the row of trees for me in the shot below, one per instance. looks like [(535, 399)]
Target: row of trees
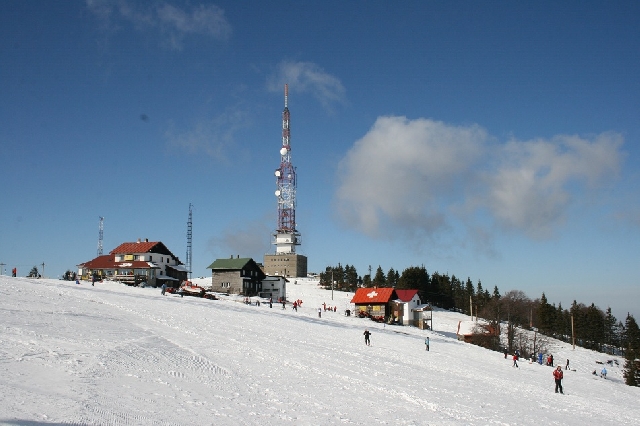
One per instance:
[(589, 326)]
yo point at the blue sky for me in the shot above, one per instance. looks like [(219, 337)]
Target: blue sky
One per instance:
[(489, 140)]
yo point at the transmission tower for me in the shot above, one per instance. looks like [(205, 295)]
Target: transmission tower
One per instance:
[(100, 235), (189, 237), (286, 236)]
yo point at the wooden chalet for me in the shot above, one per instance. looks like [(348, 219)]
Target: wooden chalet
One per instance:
[(239, 275), (374, 302)]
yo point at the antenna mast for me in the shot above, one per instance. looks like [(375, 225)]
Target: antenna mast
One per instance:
[(100, 235), (286, 235), (189, 237)]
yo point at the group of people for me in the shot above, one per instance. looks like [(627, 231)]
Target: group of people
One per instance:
[(296, 303), (603, 373), (516, 356), (330, 309)]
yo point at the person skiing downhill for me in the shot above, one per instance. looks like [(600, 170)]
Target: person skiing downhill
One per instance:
[(558, 375), (515, 360), (366, 337)]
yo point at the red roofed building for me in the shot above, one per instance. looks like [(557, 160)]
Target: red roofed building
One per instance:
[(374, 302), (132, 263), (403, 307)]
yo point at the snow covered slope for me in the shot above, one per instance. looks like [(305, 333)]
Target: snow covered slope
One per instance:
[(112, 354)]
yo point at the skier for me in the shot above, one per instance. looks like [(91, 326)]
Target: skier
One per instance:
[(164, 288), (603, 373), (558, 375), (551, 360), (426, 342), (515, 360), (93, 279), (14, 272), (566, 367), (505, 353), (319, 312), (540, 358), (366, 337)]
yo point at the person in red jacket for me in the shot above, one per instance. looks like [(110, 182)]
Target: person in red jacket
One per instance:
[(558, 375)]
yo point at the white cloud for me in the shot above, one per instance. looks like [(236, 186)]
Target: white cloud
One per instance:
[(535, 181), (402, 170), (417, 177), (307, 77), (208, 20), (172, 22)]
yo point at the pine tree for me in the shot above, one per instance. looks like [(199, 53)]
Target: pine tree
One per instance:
[(496, 293), (544, 315), (632, 352), (366, 281), (351, 277), (391, 278), (416, 278), (379, 280), (595, 328), (610, 338), (34, 273), (562, 324)]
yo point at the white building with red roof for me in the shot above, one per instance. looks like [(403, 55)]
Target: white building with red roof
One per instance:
[(404, 306), (145, 261)]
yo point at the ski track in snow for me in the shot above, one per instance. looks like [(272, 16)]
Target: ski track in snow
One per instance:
[(110, 354)]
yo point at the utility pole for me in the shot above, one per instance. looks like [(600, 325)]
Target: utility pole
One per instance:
[(2, 268), (573, 334), (42, 270), (471, 307), (327, 271)]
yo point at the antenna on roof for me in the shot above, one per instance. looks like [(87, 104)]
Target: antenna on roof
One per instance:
[(189, 237), (100, 235)]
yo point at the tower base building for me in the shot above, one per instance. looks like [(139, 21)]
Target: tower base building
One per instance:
[(285, 265)]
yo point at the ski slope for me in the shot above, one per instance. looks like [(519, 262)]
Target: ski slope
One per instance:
[(111, 354)]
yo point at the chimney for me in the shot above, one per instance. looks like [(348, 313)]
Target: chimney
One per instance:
[(237, 256), (138, 240), (146, 240), (231, 257)]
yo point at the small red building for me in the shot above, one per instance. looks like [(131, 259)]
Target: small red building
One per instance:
[(374, 302)]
